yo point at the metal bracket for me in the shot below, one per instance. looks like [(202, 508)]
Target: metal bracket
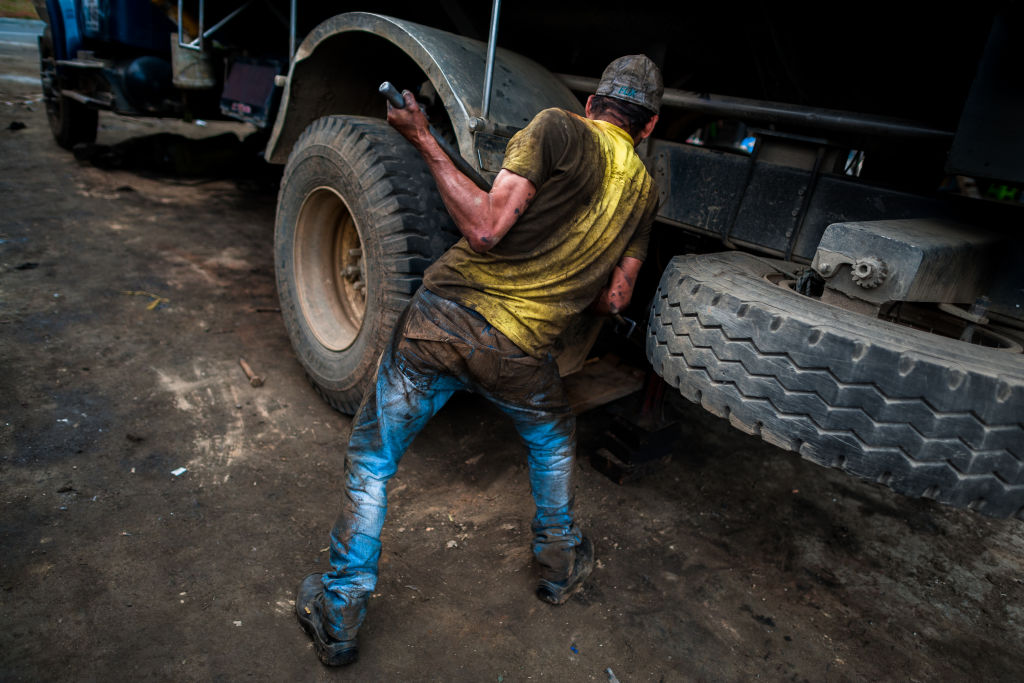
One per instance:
[(199, 42), (922, 259)]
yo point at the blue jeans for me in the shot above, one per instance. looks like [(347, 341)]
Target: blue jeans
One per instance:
[(437, 349)]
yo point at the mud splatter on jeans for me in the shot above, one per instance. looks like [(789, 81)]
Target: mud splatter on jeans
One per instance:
[(437, 349)]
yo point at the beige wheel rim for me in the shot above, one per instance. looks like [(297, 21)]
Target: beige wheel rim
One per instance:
[(330, 276)]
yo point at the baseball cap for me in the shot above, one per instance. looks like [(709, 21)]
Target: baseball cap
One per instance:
[(633, 78)]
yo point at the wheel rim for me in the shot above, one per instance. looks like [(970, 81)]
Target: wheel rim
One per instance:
[(329, 273)]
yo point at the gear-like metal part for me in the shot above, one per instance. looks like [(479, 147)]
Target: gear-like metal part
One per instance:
[(868, 272)]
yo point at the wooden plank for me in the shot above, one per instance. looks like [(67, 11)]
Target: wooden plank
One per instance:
[(602, 381)]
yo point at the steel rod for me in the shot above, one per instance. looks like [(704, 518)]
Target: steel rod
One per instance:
[(181, 34), (229, 17), (202, 23), (293, 14), (492, 46)]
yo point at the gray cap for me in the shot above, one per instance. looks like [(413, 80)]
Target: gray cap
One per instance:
[(633, 78)]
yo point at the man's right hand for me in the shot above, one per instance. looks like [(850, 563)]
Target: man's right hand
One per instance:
[(482, 217), (411, 122)]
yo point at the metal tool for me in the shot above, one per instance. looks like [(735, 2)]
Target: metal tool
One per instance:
[(623, 325), (398, 102)]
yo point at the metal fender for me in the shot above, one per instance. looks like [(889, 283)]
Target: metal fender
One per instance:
[(62, 17), (337, 68)]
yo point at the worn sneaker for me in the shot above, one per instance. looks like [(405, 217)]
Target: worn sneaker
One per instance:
[(557, 592), (309, 608)]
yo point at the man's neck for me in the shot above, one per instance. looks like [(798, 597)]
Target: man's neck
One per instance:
[(609, 117)]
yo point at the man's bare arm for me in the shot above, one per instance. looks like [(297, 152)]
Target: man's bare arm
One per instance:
[(615, 297), (483, 218)]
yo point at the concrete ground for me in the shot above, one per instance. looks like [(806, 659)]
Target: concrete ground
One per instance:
[(126, 300)]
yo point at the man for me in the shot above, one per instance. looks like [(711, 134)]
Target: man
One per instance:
[(564, 227)]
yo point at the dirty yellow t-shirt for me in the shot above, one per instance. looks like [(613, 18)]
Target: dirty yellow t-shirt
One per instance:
[(595, 202)]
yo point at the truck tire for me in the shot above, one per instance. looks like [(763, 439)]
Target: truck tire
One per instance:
[(358, 221), (71, 122), (922, 414)]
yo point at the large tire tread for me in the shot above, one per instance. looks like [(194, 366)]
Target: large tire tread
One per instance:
[(926, 416), (410, 225)]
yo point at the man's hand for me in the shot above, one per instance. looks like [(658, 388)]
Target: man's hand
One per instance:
[(411, 122), (482, 217), (615, 297)]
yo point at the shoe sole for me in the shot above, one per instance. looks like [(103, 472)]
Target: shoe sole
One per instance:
[(551, 593), (328, 655)]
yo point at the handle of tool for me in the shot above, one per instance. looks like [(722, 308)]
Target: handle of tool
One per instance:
[(621, 322), (398, 102), (393, 96)]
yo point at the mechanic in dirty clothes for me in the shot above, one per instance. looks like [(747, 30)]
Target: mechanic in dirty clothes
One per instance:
[(564, 227)]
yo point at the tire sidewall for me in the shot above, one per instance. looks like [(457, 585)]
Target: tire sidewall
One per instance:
[(71, 122), (925, 415), (52, 101), (311, 167)]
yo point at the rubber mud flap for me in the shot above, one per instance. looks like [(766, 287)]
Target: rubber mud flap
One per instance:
[(925, 415), (359, 219)]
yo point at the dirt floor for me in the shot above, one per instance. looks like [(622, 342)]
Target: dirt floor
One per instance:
[(126, 300)]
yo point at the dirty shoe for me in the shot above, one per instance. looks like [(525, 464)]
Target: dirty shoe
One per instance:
[(309, 608), (557, 592)]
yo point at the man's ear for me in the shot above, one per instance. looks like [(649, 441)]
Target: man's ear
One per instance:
[(587, 108), (648, 129)]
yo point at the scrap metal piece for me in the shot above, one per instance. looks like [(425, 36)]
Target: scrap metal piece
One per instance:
[(254, 379)]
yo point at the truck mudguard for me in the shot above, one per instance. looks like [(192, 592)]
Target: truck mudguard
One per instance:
[(340, 64), (67, 37)]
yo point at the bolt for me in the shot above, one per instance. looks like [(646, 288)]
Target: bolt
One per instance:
[(980, 306), (869, 272), (476, 123), (254, 379)]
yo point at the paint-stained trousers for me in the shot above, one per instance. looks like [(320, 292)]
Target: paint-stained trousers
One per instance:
[(437, 349)]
